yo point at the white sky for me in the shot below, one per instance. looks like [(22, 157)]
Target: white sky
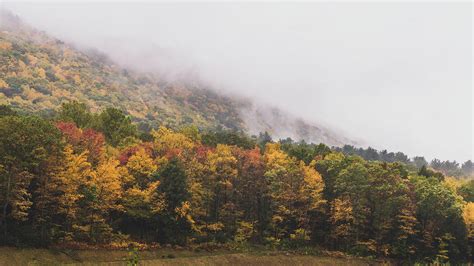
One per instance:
[(396, 75)]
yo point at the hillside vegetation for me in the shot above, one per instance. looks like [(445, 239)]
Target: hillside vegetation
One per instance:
[(38, 73)]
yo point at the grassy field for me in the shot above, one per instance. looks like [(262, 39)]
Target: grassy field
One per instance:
[(14, 256)]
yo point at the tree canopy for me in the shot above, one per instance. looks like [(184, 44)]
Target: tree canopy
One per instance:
[(85, 177)]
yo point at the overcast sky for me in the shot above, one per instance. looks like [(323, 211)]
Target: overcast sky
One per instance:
[(396, 75)]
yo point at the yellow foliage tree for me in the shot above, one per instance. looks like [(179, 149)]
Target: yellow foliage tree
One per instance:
[(41, 73), (32, 60), (278, 166), (20, 199), (165, 140), (74, 172), (313, 186), (342, 218), (468, 215), (3, 84), (223, 172), (107, 183), (77, 79), (4, 45), (143, 203), (30, 93), (102, 194), (285, 181), (58, 73), (142, 167)]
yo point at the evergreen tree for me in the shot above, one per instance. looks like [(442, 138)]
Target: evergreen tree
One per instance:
[(174, 187)]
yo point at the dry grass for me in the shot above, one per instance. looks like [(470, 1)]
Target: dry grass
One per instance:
[(14, 256)]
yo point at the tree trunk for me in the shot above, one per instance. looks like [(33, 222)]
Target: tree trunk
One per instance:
[(3, 221)]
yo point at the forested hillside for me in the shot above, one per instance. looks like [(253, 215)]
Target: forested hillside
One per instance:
[(93, 179), (38, 73)]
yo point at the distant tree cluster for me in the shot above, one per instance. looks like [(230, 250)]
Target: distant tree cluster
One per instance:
[(93, 178), (450, 168)]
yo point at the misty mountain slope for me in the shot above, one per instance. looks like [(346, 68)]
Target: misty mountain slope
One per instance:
[(281, 125), (38, 73)]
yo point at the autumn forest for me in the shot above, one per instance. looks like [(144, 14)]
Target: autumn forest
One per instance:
[(95, 156), (93, 178)]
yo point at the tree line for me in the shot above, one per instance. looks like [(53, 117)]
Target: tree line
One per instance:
[(450, 168), (94, 178)]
